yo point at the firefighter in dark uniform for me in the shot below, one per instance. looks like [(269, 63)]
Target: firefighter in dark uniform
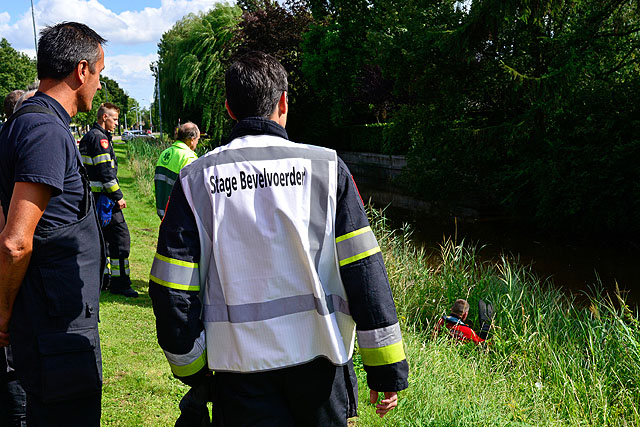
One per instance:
[(51, 250), (267, 268), (96, 148)]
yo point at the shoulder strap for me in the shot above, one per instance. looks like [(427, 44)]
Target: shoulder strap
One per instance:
[(24, 110)]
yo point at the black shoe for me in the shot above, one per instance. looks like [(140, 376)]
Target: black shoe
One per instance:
[(127, 292)]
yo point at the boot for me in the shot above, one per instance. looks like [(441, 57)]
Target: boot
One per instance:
[(122, 286)]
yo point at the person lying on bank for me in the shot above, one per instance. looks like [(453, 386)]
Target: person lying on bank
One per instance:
[(458, 329)]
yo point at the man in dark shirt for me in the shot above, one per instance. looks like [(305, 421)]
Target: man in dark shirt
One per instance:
[(100, 160), (51, 255)]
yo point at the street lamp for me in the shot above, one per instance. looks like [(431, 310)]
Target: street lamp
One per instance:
[(137, 110), (150, 119), (106, 92)]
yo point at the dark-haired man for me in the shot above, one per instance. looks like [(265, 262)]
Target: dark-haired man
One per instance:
[(266, 267), (51, 256), (96, 148)]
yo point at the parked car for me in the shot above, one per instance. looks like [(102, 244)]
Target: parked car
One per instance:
[(135, 133)]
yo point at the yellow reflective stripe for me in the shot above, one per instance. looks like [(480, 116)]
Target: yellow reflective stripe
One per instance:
[(172, 285), (383, 355), (359, 256), (115, 187), (353, 234), (176, 261), (191, 368), (96, 189)]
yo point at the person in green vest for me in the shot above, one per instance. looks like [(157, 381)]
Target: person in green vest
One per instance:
[(172, 160)]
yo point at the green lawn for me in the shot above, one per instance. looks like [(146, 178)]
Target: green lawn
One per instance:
[(139, 389)]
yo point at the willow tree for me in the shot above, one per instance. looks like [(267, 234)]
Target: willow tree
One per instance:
[(192, 58)]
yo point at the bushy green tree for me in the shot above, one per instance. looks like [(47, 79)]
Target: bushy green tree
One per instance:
[(17, 70)]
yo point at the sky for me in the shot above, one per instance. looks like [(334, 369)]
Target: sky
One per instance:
[(132, 28)]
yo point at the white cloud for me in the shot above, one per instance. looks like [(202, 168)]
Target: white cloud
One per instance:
[(129, 27), (132, 74), (124, 31)]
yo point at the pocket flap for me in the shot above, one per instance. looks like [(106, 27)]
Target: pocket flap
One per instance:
[(67, 342)]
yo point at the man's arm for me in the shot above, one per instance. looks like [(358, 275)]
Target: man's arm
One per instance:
[(370, 300), (174, 287), (27, 205), (96, 151)]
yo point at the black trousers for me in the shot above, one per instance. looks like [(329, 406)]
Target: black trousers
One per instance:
[(118, 242), (83, 412), (317, 393)]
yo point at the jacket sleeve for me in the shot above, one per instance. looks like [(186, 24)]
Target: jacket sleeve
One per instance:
[(174, 286), (101, 161), (367, 286)]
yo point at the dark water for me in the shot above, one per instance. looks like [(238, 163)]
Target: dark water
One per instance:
[(575, 265)]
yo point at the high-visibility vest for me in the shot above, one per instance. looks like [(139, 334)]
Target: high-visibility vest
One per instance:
[(170, 162), (272, 294)]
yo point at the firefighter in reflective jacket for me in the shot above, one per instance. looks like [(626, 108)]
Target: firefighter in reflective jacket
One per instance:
[(172, 160), (267, 268), (96, 148)]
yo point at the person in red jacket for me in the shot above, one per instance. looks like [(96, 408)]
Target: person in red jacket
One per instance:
[(456, 327)]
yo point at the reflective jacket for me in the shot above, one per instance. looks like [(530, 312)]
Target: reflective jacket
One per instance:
[(170, 162), (266, 260), (100, 160)]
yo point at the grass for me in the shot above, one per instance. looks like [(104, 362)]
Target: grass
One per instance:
[(550, 362)]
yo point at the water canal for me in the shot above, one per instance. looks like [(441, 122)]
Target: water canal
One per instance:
[(575, 264)]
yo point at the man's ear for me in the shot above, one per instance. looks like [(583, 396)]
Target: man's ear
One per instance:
[(226, 105), (82, 71), (283, 103)]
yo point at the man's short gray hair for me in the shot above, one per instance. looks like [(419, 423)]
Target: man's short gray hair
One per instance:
[(187, 132)]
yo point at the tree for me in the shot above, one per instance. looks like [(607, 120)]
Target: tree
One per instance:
[(17, 70), (192, 58)]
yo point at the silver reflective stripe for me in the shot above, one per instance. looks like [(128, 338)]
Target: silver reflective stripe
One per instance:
[(381, 337), (95, 184), (161, 177), (175, 274), (87, 160), (185, 359), (111, 186), (276, 308), (356, 244), (102, 158), (115, 263)]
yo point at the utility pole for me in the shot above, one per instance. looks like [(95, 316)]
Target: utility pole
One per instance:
[(35, 38), (159, 107)]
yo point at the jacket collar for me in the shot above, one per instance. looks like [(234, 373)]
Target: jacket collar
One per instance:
[(101, 129), (181, 144), (257, 126)]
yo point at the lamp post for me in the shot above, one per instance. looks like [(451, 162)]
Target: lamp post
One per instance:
[(33, 17), (158, 90), (137, 110), (150, 119), (106, 92)]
